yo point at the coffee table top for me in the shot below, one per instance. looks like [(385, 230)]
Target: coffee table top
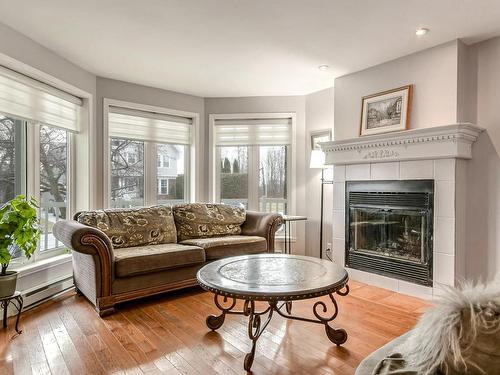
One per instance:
[(266, 277)]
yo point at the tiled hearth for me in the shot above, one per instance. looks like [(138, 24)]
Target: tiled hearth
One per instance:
[(438, 153)]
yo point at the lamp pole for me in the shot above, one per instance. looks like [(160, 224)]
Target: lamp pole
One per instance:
[(323, 183)]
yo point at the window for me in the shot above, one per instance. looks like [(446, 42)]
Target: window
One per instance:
[(54, 158), (11, 158), (164, 161), (233, 175), (252, 165), (127, 173), (149, 158), (37, 125), (171, 173), (17, 166)]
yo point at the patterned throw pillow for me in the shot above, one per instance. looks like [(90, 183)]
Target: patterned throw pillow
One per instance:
[(129, 227), (201, 220)]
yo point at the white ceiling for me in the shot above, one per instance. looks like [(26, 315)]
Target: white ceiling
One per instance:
[(243, 47)]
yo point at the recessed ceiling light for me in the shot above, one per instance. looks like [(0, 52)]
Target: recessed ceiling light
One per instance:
[(323, 67), (421, 31)]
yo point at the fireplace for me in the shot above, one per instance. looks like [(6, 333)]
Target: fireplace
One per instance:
[(389, 228)]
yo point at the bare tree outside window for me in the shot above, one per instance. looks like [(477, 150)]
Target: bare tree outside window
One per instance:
[(273, 178), (127, 173), (7, 159), (53, 182)]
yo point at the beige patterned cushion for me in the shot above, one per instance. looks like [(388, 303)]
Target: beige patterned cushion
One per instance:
[(202, 220), (129, 227)]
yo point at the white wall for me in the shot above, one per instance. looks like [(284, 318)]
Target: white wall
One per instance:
[(319, 116), (432, 71), (119, 90), (263, 104), (482, 73)]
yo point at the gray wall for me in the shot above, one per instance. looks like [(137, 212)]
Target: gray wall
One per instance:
[(432, 71), (319, 116), (262, 104), (112, 89), (453, 83), (482, 74)]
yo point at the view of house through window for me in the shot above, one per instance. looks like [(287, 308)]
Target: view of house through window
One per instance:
[(170, 173), (127, 173), (149, 157)]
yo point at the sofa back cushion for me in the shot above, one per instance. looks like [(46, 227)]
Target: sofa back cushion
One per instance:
[(203, 220), (127, 227)]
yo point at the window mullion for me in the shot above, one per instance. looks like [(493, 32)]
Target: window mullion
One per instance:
[(150, 168), (253, 178), (33, 169)]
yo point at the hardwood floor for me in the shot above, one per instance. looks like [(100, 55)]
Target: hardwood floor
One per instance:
[(167, 334)]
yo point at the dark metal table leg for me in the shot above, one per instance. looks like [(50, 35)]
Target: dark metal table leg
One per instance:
[(323, 316), (5, 304), (255, 329), (19, 310), (214, 322)]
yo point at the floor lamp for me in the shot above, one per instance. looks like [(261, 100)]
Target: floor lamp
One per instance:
[(318, 162)]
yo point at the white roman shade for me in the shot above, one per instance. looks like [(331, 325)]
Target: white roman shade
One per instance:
[(273, 131), (134, 124), (24, 97)]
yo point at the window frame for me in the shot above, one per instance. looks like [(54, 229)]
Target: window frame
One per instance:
[(28, 143), (253, 159), (192, 166)]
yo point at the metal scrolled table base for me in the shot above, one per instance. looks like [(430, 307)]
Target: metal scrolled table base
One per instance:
[(282, 308)]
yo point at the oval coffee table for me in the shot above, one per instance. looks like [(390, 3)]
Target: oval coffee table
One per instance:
[(277, 279)]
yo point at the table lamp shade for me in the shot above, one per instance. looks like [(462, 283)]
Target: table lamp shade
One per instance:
[(317, 159)]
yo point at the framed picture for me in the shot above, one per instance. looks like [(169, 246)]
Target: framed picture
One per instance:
[(387, 111), (318, 136)]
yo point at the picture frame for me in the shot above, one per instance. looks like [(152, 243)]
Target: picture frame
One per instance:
[(318, 136), (386, 111)]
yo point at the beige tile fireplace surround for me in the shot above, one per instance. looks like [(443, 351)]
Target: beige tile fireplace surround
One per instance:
[(438, 153)]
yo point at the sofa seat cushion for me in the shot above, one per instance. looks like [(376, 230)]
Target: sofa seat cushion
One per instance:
[(226, 246), (129, 227), (202, 220), (138, 260)]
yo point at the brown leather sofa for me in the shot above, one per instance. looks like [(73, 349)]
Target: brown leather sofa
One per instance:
[(124, 254)]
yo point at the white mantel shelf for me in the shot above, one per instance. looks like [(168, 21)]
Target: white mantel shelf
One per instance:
[(440, 142)]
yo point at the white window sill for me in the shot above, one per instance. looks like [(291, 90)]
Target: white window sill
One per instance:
[(282, 239), (42, 264)]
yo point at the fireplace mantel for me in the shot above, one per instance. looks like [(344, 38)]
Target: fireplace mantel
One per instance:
[(440, 142)]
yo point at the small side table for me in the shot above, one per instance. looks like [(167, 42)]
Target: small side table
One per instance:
[(17, 301), (287, 220)]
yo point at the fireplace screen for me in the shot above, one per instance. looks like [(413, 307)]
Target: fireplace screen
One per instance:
[(389, 226), (392, 233)]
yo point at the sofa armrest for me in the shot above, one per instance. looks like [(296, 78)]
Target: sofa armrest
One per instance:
[(89, 241), (262, 224)]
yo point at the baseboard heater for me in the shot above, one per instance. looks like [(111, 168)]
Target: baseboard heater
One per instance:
[(38, 295)]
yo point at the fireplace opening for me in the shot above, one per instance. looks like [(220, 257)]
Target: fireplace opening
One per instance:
[(389, 228)]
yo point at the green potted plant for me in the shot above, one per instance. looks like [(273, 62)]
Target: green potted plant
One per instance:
[(19, 230)]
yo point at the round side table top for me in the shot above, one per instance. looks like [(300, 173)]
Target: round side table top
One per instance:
[(266, 277)]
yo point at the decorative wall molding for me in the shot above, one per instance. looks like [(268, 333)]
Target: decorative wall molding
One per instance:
[(448, 141)]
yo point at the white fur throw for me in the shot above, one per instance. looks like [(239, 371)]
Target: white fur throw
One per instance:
[(461, 334)]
